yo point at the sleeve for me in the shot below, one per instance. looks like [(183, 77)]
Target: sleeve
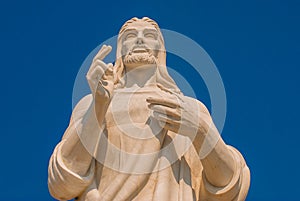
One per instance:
[(64, 184), (237, 188)]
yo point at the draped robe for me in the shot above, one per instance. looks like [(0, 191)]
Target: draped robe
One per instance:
[(133, 160)]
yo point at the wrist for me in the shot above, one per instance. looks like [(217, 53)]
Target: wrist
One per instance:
[(210, 139)]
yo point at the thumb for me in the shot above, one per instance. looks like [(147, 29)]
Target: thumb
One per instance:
[(110, 66), (109, 71)]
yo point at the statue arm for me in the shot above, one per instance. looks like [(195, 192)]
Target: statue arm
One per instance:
[(71, 166), (225, 173), (63, 182), (189, 117), (236, 189)]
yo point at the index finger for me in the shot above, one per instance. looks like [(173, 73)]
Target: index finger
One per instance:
[(163, 101), (103, 52)]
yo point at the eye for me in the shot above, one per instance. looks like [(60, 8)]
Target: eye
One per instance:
[(150, 35), (130, 35)]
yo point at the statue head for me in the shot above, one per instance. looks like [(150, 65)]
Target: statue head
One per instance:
[(140, 42)]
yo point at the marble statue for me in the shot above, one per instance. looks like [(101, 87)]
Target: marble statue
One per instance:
[(137, 137)]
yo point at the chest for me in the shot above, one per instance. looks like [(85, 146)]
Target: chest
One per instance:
[(130, 107)]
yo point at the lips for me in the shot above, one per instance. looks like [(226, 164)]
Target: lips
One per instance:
[(140, 49)]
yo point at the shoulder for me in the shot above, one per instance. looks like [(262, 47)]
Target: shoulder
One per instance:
[(84, 102), (196, 102), (82, 106)]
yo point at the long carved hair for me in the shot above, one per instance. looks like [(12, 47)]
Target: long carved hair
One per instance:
[(162, 75)]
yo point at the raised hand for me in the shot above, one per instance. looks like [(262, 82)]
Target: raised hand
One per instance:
[(101, 75)]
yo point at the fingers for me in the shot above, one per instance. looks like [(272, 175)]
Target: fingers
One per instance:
[(163, 101), (97, 73), (109, 72), (99, 69), (170, 112), (100, 76), (103, 52), (167, 122)]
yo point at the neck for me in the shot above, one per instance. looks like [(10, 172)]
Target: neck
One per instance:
[(140, 75)]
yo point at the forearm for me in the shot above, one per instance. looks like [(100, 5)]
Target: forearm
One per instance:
[(63, 182), (217, 160), (237, 187), (75, 156), (223, 166), (78, 148), (219, 165)]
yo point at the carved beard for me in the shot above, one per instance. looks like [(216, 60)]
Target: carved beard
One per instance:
[(142, 58)]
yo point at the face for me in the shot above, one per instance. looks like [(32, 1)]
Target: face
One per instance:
[(140, 44)]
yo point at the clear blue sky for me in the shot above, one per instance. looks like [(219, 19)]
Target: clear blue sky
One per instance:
[(254, 44)]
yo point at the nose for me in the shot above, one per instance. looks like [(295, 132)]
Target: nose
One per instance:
[(139, 41), (140, 38)]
